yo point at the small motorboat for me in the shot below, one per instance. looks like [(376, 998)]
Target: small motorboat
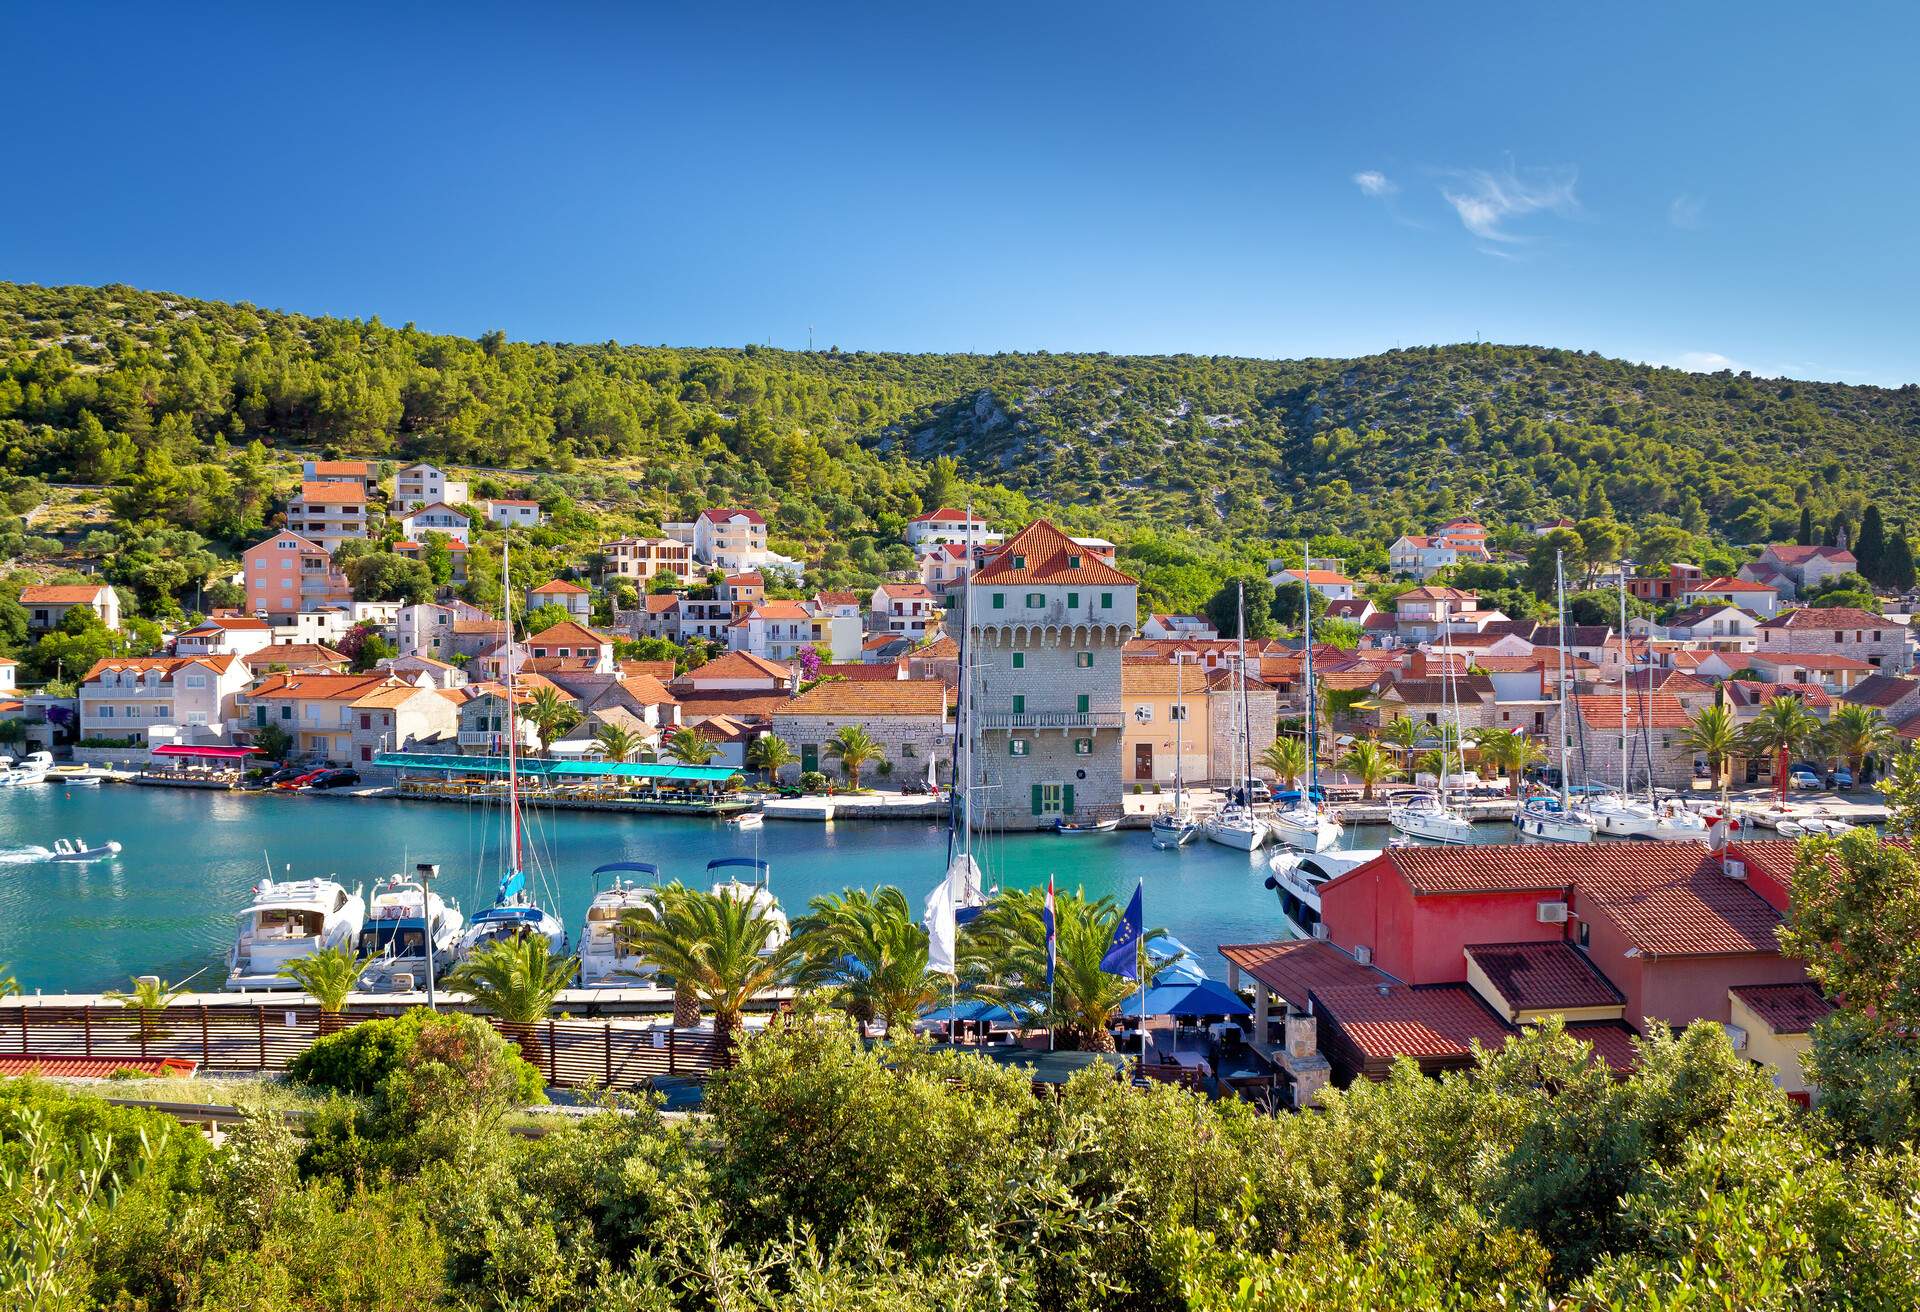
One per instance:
[(607, 958), (77, 780), (77, 850), (32, 770), (755, 894), (1822, 827), (748, 819), (1079, 828)]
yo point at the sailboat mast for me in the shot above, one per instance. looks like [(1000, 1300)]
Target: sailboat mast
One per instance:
[(964, 711), (513, 726), (1560, 687), (1306, 611), (1245, 782), (1179, 715), (1623, 679)]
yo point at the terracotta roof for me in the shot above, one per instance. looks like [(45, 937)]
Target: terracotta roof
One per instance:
[(418, 659), (1318, 577), (891, 697), (948, 515), (1436, 593), (750, 579), (61, 594), (1808, 660), (1792, 553), (739, 704), (359, 467), (942, 648), (1295, 967), (432, 506), (295, 653), (1785, 1008), (720, 514), (879, 672), (1157, 679), (559, 586), (1348, 608), (1438, 1022), (93, 1068), (488, 628), (571, 634), (167, 666), (1881, 690), (1672, 899), (779, 610), (1612, 1042), (1474, 688), (1659, 710), (647, 690), (661, 670), (836, 598), (659, 603), (906, 591), (1045, 554), (510, 501), (1495, 664), (316, 687), (1678, 682), (737, 665), (1693, 615), (1829, 617), (1548, 976), (1492, 868), (333, 494), (233, 622), (1725, 584), (391, 696), (1751, 692)]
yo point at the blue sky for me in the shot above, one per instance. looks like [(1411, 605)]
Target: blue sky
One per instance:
[(1686, 184)]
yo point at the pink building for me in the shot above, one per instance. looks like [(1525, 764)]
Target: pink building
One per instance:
[(287, 574)]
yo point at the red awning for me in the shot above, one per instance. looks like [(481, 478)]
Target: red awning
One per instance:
[(206, 753)]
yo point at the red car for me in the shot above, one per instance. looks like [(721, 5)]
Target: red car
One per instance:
[(300, 781)]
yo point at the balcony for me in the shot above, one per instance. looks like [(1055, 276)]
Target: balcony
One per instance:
[(1050, 719)]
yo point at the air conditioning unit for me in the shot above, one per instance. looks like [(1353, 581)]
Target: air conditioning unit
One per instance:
[(1363, 954), (1736, 1035), (1735, 869), (1551, 913), (1319, 929)]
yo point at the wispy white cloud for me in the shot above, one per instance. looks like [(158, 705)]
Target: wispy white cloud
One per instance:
[(1686, 211), (1374, 183), (1488, 202), (1702, 362)]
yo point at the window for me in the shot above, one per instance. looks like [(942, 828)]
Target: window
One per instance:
[(196, 681), (906, 749), (999, 601), (1073, 601), (1016, 746), (106, 712), (1143, 712), (1036, 599), (1019, 704), (1019, 562), (1019, 660), (1073, 562), (1106, 601), (366, 721), (1080, 703), (1083, 747), (1179, 713), (1084, 660)]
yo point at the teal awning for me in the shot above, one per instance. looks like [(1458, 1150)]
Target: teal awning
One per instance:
[(535, 766)]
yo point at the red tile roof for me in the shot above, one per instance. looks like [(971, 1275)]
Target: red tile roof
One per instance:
[(1548, 976), (1492, 868), (881, 672), (1829, 617), (1808, 660), (737, 665), (1793, 554), (750, 579), (60, 594), (836, 598), (1673, 899), (570, 633), (948, 515), (659, 603), (1293, 968), (720, 514), (1881, 690), (1785, 1008), (1724, 584), (1041, 553), (1432, 1023), (1612, 1042), (1436, 593), (1318, 577), (739, 704), (559, 586), (889, 698), (166, 666), (906, 591), (93, 1068), (1659, 710), (333, 494)]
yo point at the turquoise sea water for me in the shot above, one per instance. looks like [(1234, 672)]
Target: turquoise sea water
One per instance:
[(166, 906)]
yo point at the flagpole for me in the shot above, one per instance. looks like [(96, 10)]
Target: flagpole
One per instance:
[(1139, 954)]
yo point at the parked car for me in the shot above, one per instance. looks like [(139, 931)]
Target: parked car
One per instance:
[(1258, 790), (335, 779), (287, 772), (299, 780), (1803, 777)]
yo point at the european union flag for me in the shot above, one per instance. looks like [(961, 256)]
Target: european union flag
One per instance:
[(1123, 956)]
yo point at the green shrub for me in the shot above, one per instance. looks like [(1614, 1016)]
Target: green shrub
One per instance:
[(813, 782), (356, 1060)]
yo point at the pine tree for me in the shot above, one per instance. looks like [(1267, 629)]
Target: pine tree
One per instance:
[(1870, 548), (1806, 526), (1896, 563)]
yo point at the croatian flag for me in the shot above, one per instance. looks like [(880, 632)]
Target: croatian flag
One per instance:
[(1122, 957), (1053, 940)]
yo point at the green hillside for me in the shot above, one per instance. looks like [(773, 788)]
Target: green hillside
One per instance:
[(112, 385)]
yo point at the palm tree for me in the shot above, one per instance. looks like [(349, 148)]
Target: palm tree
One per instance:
[(1402, 734), (550, 714), (868, 953), (1432, 762), (690, 747), (1783, 729), (771, 753), (1855, 732), (150, 996), (716, 945), (1005, 950), (1370, 763), (328, 977), (1287, 758), (1716, 735), (854, 747), (617, 743), (9, 986), (1509, 751), (517, 979)]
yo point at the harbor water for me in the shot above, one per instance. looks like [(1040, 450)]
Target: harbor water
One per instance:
[(166, 905)]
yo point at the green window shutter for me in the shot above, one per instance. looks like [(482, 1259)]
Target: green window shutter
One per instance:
[(1073, 600), (1066, 799), (1019, 703), (1036, 799), (260, 715), (1081, 703), (1084, 660), (999, 601), (1106, 601), (1019, 660)]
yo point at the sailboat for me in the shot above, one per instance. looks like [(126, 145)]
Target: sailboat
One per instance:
[(1174, 827), (513, 914), (1620, 814), (1548, 818), (1235, 824), (1427, 815), (1304, 826), (962, 886)]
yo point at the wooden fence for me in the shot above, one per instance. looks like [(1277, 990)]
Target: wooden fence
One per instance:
[(266, 1037)]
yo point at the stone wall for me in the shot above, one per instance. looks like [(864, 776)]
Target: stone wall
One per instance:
[(906, 741), (1263, 722)]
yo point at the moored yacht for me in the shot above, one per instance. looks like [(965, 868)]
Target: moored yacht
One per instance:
[(756, 893), (30, 770), (288, 920), (1622, 817), (1305, 827), (1297, 876), (1674, 822), (1425, 816), (395, 934), (606, 960), (1550, 820), (1234, 825)]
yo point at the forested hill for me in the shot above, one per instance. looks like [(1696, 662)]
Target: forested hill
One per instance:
[(97, 384)]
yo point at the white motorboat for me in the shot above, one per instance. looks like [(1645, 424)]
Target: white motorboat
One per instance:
[(289, 920), (32, 770), (1425, 816), (755, 893), (1548, 820), (607, 961), (1823, 827), (1622, 817), (1081, 828), (395, 934), (1236, 826), (748, 819), (1673, 822), (1297, 876), (75, 780), (1305, 828), (77, 850)]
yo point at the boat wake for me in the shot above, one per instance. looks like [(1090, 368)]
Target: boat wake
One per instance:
[(20, 856)]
